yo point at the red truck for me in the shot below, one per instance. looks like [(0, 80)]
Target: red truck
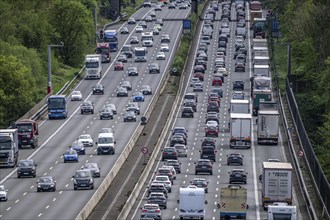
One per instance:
[(104, 50), (27, 133)]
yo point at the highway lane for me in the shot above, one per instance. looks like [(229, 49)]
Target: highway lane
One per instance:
[(24, 202), (195, 126)]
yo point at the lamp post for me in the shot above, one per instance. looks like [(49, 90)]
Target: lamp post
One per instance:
[(49, 47)]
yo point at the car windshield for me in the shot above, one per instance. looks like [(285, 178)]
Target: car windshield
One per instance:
[(84, 137), (82, 174), (105, 140), (45, 180), (70, 152), (88, 166), (24, 127), (25, 163)]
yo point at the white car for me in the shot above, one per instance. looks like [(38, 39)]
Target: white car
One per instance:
[(181, 150), (86, 139), (3, 193), (172, 169), (223, 71), (212, 124), (198, 87), (112, 107), (160, 56), (76, 96), (193, 81), (165, 180), (164, 48), (138, 29)]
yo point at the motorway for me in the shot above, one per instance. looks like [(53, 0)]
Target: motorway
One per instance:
[(253, 157), (56, 135)]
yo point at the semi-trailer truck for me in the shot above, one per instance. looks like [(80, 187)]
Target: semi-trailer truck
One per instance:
[(240, 130), (268, 127), (8, 147)]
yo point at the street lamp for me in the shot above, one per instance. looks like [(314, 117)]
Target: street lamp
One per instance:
[(49, 47)]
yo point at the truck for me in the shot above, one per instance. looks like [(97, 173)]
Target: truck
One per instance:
[(261, 70), (233, 202), (93, 66), (27, 133), (104, 50), (281, 210), (240, 130), (57, 106), (8, 147), (192, 202), (239, 106), (261, 89), (259, 43), (106, 143), (276, 180), (140, 54), (260, 51), (259, 27), (268, 127), (261, 60), (110, 36), (255, 10), (147, 39)]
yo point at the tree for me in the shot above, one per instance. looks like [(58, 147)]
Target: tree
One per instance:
[(73, 25), (17, 87)]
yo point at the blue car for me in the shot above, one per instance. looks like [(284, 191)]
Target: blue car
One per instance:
[(138, 97), (70, 155)]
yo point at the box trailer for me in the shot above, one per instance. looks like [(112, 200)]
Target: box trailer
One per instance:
[(233, 202), (240, 130), (240, 106), (191, 202), (268, 127)]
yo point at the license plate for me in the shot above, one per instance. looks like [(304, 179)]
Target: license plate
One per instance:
[(203, 166), (240, 143), (26, 173), (83, 184)]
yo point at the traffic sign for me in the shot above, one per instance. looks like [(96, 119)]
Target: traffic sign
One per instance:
[(186, 24), (144, 150), (300, 153)]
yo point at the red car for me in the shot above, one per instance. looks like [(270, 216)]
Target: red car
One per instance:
[(211, 131), (215, 99), (199, 75), (119, 66), (216, 81)]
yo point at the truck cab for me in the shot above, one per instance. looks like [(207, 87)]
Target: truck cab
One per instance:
[(27, 133), (8, 147)]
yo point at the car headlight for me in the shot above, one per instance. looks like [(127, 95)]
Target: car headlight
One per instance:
[(52, 185), (74, 181), (91, 180)]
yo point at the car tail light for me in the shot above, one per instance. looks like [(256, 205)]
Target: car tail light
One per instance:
[(248, 138), (144, 210), (168, 182), (157, 210)]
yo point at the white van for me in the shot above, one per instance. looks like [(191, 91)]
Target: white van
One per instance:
[(106, 143), (192, 202)]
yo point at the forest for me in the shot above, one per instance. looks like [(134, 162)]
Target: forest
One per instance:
[(305, 25)]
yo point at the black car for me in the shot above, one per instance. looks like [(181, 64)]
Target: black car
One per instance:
[(237, 176), (96, 170), (208, 152), (121, 91), (83, 179), (235, 158), (46, 183), (239, 66), (157, 187), (146, 90), (187, 112), (213, 107), (177, 130), (200, 183), (154, 68), (208, 141), (190, 103), (79, 147), (26, 168), (241, 50), (175, 163), (98, 89), (106, 113), (129, 116), (87, 107), (157, 198), (238, 85), (132, 71), (177, 140), (134, 107), (169, 153), (217, 90), (204, 166)]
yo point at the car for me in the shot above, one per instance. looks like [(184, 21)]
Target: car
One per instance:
[(157, 187), (212, 117), (122, 91), (183, 6), (106, 113), (46, 183), (86, 140), (190, 103), (112, 107), (79, 147), (87, 106), (146, 4), (204, 166), (201, 62), (124, 30), (146, 90), (165, 172), (126, 84), (26, 167), (174, 163), (200, 183), (154, 68), (129, 116), (241, 58), (241, 50), (177, 140), (151, 210), (171, 6), (143, 24), (155, 31), (169, 153), (134, 40), (199, 75), (199, 68), (119, 66), (97, 89), (213, 107), (165, 38), (133, 106), (208, 141), (237, 176), (122, 58), (138, 29), (158, 8), (211, 131), (181, 150), (198, 87), (106, 130), (157, 198), (180, 135), (216, 81), (214, 99), (152, 13), (138, 97), (131, 20), (3, 193), (70, 155), (164, 48), (187, 112), (158, 26), (238, 95), (212, 123), (182, 130), (238, 85), (148, 18), (217, 90), (94, 167), (222, 71), (76, 96), (159, 21), (235, 158), (171, 168), (193, 81), (83, 179), (165, 180), (132, 71), (160, 56)]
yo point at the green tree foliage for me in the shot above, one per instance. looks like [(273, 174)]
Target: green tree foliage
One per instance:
[(16, 88), (73, 25)]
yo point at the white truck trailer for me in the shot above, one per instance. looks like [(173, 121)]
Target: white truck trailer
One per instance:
[(8, 147), (276, 182), (280, 211), (240, 106), (260, 51), (240, 130), (93, 66), (268, 127), (192, 202), (233, 202)]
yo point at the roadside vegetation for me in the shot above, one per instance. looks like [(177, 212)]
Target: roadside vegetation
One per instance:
[(305, 25)]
